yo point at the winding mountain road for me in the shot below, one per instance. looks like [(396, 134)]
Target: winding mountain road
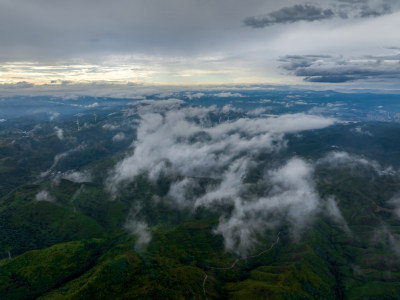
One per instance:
[(235, 262)]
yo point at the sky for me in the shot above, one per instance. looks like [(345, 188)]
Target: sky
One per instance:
[(194, 42)]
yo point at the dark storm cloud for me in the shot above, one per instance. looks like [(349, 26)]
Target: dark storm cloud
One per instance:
[(368, 12), (310, 13), (331, 78), (394, 57), (300, 61), (368, 8), (353, 1), (330, 69), (291, 14)]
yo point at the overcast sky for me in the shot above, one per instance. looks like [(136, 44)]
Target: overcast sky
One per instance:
[(349, 42)]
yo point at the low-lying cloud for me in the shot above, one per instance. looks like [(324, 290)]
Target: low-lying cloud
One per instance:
[(340, 159), (44, 195), (59, 132), (141, 231), (292, 200), (187, 140), (189, 143), (228, 94), (77, 177), (61, 156), (119, 137), (253, 184)]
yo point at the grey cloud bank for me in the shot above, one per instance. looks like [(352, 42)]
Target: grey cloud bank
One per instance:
[(330, 69), (185, 41), (311, 13), (292, 14)]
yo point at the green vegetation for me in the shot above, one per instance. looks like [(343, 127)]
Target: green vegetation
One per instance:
[(74, 246), (38, 271)]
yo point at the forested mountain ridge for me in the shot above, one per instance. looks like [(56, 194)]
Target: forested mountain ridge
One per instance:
[(164, 199)]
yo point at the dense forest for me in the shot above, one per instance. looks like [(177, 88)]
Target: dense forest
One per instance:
[(218, 199)]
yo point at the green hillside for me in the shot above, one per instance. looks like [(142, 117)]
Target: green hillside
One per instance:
[(63, 238)]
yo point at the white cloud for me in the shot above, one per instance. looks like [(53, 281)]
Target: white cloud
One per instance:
[(228, 94), (77, 177), (338, 159), (141, 231), (175, 139), (192, 145), (361, 131), (59, 133), (54, 115), (78, 193), (155, 106), (194, 95), (95, 104), (257, 112), (382, 236), (61, 156), (230, 186), (111, 126), (180, 192), (44, 195), (291, 200), (331, 209), (119, 137)]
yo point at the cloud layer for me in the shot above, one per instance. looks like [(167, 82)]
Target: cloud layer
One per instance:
[(182, 41), (331, 69), (293, 14), (187, 143), (188, 138), (311, 13)]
